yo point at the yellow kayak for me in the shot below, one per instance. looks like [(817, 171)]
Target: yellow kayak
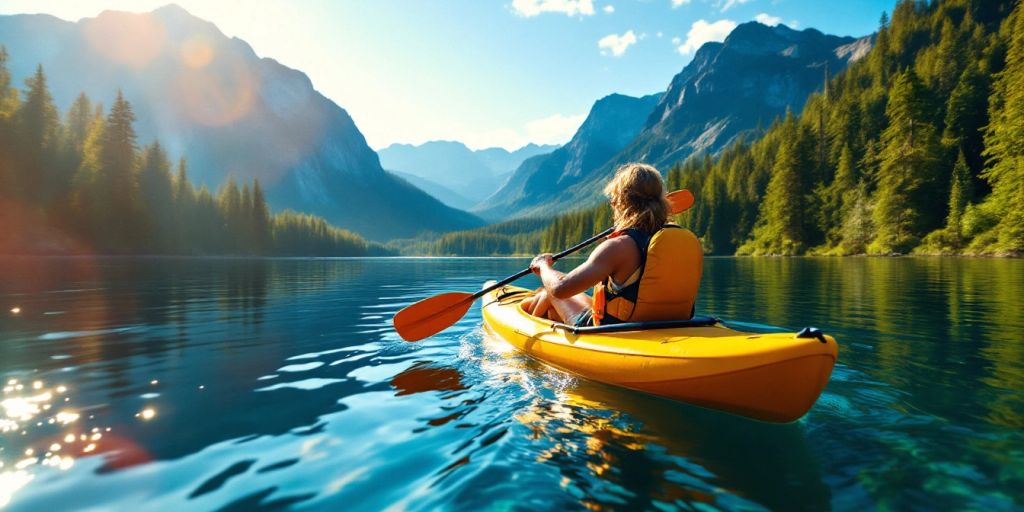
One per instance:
[(771, 377)]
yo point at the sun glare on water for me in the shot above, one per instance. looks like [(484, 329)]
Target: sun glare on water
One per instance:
[(30, 411)]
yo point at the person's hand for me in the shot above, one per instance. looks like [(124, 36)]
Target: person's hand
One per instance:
[(542, 260)]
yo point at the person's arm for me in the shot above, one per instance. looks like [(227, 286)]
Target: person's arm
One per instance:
[(601, 264)]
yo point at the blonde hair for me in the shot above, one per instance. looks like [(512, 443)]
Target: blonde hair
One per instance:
[(637, 194)]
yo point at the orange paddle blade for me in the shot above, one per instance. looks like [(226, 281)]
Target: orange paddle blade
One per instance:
[(431, 316), (680, 201)]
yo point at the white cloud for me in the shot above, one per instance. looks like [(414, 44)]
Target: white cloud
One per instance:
[(530, 8), (771, 21), (729, 4), (677, 3), (676, 41), (658, 35), (609, 9), (617, 44), (702, 32), (768, 19), (554, 129)]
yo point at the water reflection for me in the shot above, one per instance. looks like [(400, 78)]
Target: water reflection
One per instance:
[(276, 383)]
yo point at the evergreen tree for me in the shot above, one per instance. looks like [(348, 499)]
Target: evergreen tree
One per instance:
[(782, 228), (79, 117), (229, 202), (967, 115), (260, 219), (184, 210), (87, 189), (124, 226), (858, 224), (1004, 147), (908, 175), (8, 106), (834, 204), (8, 94), (37, 124), (960, 192), (157, 194)]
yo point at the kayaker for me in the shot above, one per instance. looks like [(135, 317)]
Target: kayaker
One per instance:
[(658, 264)]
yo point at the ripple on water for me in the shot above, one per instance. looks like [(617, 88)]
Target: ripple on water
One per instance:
[(63, 335), (304, 385), (301, 367)]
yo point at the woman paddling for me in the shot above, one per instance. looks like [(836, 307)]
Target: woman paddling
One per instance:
[(647, 270)]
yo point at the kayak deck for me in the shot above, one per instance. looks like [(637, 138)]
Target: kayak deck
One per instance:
[(772, 377)]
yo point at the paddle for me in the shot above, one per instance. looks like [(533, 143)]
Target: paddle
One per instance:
[(435, 314)]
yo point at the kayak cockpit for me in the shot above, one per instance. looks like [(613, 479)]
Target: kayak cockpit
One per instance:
[(511, 294)]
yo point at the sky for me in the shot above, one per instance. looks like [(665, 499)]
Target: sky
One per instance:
[(484, 72)]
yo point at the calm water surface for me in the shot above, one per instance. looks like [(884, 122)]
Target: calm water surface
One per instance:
[(274, 384)]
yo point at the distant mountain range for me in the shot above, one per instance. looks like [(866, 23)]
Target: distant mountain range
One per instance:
[(613, 121), (211, 99), (730, 89), (458, 176)]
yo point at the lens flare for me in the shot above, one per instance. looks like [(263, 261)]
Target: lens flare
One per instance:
[(196, 52), (126, 38), (216, 98)]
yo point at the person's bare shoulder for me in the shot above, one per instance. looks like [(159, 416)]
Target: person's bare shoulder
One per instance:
[(613, 248)]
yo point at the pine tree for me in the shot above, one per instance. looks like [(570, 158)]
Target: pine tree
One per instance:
[(79, 117), (260, 219), (229, 202), (122, 221), (8, 106), (8, 94), (88, 194), (1004, 147), (76, 128), (858, 224), (782, 225), (157, 195), (960, 192), (37, 124), (835, 207), (967, 115), (184, 211), (908, 173)]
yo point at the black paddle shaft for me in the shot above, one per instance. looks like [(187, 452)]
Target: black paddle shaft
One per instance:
[(556, 257)]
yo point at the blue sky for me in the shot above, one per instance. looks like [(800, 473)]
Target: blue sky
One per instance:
[(488, 73)]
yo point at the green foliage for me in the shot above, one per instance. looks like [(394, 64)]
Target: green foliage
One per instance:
[(909, 172), (98, 192), (949, 239), (782, 228), (1004, 148)]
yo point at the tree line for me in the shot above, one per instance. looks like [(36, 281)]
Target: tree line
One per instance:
[(86, 185), (916, 148)]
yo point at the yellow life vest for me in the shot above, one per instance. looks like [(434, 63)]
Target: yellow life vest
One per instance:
[(670, 272)]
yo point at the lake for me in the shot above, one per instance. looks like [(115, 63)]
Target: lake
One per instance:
[(230, 384)]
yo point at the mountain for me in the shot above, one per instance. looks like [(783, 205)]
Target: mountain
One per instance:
[(736, 86), (473, 175), (729, 90), (439, 191), (503, 162), (212, 100), (612, 123)]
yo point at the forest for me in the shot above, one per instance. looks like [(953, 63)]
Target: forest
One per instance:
[(81, 184), (918, 148)]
